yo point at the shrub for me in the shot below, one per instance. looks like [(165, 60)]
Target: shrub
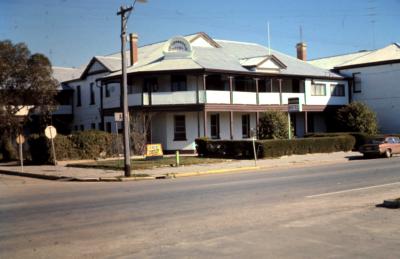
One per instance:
[(357, 117), (81, 145), (277, 148), (360, 138), (273, 125), (237, 149), (7, 150), (40, 149), (273, 148)]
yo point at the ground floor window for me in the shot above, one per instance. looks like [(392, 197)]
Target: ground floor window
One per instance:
[(93, 126), (82, 127), (179, 127), (215, 126), (108, 127), (246, 126)]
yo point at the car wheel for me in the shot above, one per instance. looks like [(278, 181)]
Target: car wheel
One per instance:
[(366, 156), (388, 153)]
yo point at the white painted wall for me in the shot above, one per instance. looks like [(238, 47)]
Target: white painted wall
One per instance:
[(86, 114), (327, 99), (380, 90), (191, 131), (218, 96), (269, 98), (244, 97)]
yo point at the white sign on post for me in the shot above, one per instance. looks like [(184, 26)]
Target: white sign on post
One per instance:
[(20, 140), (51, 133), (294, 105), (118, 116)]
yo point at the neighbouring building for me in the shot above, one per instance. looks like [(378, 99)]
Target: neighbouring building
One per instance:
[(195, 86), (375, 76)]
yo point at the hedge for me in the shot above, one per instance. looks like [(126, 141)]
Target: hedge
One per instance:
[(80, 145), (361, 138), (273, 148)]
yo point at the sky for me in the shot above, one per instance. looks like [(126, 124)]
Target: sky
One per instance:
[(70, 32)]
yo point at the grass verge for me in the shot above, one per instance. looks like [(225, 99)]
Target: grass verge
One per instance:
[(137, 164)]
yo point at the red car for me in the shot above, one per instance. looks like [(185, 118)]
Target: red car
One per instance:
[(386, 146)]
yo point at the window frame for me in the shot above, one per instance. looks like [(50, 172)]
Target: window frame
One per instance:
[(178, 83), (246, 125), (215, 129), (107, 91), (314, 93), (78, 96), (335, 90), (356, 75), (180, 134), (92, 95)]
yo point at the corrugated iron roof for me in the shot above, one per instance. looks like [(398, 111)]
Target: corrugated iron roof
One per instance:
[(385, 54)]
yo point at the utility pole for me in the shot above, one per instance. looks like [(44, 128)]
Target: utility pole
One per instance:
[(124, 12)]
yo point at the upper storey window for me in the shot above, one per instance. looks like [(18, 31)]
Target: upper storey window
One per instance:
[(177, 47)]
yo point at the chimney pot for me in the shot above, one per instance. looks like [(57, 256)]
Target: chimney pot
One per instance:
[(133, 42), (301, 51)]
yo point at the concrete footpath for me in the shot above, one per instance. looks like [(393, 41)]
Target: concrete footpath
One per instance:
[(63, 173)]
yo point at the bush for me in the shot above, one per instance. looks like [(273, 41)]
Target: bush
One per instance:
[(277, 148), (273, 148), (7, 150), (40, 149), (357, 117), (81, 145), (273, 125), (238, 149), (360, 138)]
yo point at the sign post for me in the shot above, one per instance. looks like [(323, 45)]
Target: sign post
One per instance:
[(20, 140), (118, 117), (253, 135), (294, 105), (51, 133)]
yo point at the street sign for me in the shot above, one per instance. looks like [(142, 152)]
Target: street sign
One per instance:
[(50, 132), (294, 104), (118, 116), (20, 139)]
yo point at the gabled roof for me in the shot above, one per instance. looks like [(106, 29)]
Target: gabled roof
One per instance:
[(258, 61), (109, 64), (388, 54)]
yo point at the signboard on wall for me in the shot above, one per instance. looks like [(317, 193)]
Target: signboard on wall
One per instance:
[(294, 104)]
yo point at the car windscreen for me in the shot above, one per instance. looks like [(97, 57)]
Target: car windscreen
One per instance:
[(376, 141)]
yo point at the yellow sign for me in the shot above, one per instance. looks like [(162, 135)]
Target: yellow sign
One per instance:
[(154, 150)]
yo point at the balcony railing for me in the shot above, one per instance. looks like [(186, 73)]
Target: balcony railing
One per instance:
[(223, 97)]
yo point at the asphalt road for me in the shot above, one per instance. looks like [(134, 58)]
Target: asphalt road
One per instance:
[(323, 211)]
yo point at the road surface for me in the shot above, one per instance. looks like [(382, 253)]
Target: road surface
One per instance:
[(325, 211)]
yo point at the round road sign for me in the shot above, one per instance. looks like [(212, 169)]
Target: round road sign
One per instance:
[(20, 139), (50, 132)]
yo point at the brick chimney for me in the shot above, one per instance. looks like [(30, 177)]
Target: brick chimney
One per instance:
[(301, 51), (133, 40)]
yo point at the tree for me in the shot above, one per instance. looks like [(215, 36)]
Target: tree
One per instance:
[(26, 83), (273, 125), (140, 123), (357, 117), (25, 80)]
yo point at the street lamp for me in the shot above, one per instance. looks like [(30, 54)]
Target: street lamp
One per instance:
[(125, 13)]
